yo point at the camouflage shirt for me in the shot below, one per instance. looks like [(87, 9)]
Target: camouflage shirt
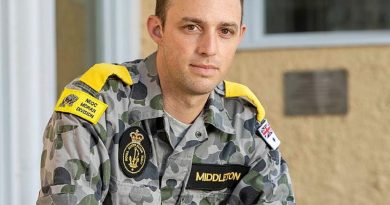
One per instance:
[(126, 158)]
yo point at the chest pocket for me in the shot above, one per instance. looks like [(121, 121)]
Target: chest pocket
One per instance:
[(211, 183), (131, 192), (135, 178), (191, 197)]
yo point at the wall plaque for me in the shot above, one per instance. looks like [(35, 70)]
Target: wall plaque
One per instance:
[(315, 92)]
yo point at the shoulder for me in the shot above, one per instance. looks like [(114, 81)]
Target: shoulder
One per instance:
[(96, 79), (85, 96), (234, 91), (97, 76), (252, 112)]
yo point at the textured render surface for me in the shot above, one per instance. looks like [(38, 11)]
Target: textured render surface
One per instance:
[(333, 159), (339, 159)]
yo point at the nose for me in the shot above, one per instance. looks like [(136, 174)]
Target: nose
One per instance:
[(208, 44)]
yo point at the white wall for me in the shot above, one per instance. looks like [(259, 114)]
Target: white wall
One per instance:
[(27, 91)]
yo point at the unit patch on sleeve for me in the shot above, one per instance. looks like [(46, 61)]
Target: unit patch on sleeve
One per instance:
[(268, 135), (210, 177), (81, 104), (134, 151)]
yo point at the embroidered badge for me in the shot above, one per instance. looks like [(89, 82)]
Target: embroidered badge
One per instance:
[(268, 135), (134, 151), (69, 100), (81, 104)]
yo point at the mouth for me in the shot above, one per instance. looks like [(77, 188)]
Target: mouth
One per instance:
[(205, 70), (204, 66)]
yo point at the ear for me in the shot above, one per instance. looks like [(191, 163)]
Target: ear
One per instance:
[(154, 25), (242, 31)]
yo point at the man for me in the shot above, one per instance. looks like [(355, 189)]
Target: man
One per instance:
[(167, 129)]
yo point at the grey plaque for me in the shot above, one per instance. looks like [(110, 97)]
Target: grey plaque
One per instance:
[(315, 92)]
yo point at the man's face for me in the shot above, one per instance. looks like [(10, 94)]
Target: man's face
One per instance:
[(198, 43)]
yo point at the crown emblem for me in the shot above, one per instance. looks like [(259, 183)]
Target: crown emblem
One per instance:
[(136, 137)]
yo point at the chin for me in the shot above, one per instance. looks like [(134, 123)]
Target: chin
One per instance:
[(203, 89)]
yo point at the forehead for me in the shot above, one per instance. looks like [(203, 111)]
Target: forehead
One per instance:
[(207, 10)]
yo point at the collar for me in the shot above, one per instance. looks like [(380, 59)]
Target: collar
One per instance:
[(147, 102), (146, 96), (215, 112)]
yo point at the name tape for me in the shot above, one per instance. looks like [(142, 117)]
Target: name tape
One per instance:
[(215, 177)]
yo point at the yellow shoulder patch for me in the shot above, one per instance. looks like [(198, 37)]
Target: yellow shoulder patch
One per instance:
[(81, 104), (238, 90), (97, 75)]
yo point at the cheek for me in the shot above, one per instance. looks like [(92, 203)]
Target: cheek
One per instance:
[(171, 47), (178, 42), (228, 46), (227, 58), (228, 54)]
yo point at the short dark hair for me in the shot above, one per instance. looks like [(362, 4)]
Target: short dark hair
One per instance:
[(162, 5)]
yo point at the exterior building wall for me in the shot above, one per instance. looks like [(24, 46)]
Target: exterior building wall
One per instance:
[(333, 159)]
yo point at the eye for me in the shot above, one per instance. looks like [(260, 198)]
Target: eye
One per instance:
[(191, 28), (227, 33)]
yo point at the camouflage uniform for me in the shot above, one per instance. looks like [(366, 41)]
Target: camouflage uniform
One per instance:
[(82, 162)]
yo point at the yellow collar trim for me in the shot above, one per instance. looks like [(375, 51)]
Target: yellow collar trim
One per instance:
[(238, 90), (97, 75)]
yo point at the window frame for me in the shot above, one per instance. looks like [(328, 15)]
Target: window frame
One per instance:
[(256, 37)]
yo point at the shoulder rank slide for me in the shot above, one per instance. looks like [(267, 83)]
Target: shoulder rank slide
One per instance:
[(238, 90), (97, 75), (268, 135), (81, 104)]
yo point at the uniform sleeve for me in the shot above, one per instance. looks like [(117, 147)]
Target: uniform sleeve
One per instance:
[(74, 165), (268, 180)]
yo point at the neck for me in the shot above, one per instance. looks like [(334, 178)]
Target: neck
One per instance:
[(184, 108), (178, 102)]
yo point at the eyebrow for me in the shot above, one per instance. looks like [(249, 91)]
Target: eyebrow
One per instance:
[(191, 19), (200, 21), (230, 24)]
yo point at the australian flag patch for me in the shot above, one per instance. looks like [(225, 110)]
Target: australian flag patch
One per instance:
[(268, 135)]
